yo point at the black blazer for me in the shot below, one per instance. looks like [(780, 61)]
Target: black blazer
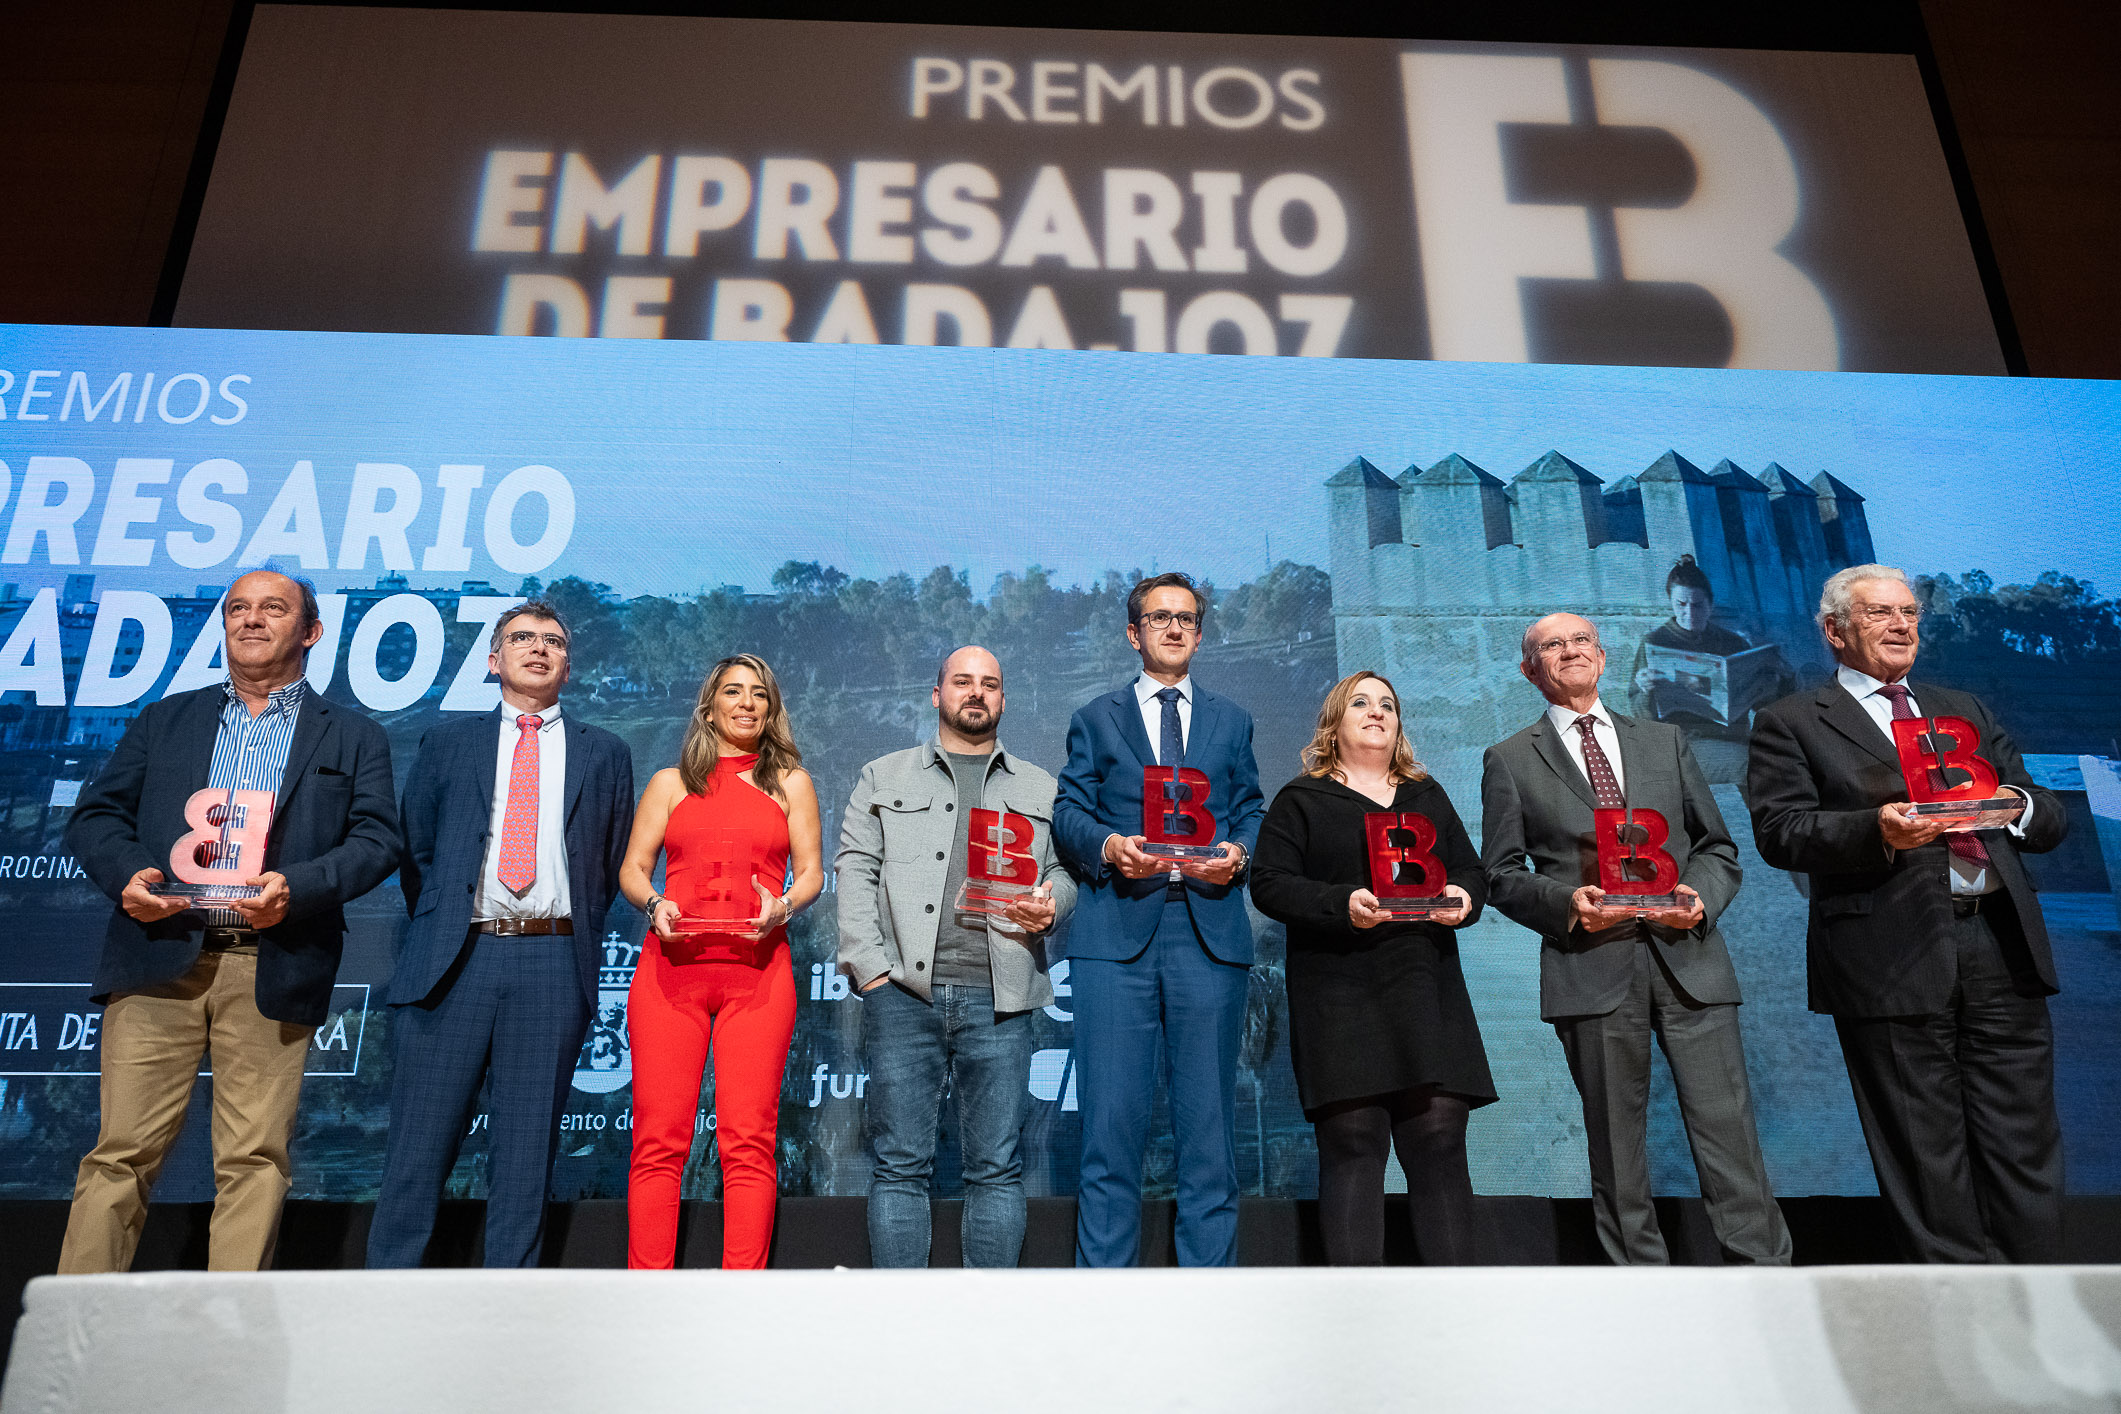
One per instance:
[(1879, 942), (1539, 845), (334, 835), (448, 811)]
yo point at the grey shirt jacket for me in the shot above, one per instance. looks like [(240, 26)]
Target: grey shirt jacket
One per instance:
[(894, 860)]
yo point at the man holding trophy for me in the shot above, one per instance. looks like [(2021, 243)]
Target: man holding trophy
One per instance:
[(1600, 835), (230, 827), (1907, 806), (948, 890), (1159, 809)]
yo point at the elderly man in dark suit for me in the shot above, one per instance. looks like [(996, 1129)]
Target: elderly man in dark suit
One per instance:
[(248, 982), (515, 823), (1926, 948), (1609, 979)]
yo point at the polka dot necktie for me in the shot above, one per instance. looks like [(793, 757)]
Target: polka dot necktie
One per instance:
[(1172, 749), (1605, 786), (519, 825), (1965, 846)]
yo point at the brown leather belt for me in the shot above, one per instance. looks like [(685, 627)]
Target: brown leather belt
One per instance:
[(524, 927), (224, 939)]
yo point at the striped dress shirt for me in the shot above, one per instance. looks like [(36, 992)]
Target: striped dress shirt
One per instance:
[(250, 753)]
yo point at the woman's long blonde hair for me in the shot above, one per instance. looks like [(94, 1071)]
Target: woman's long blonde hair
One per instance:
[(703, 744), (1322, 756)]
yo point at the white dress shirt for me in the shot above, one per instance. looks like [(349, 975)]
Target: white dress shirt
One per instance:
[(1145, 690), (1564, 721), (1967, 877), (547, 896)]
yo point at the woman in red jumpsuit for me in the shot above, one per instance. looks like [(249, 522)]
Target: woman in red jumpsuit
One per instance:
[(714, 975)]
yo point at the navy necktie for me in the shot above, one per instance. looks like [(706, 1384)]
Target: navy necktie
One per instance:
[(1172, 749)]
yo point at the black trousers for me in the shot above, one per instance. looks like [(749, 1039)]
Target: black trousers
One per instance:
[(1958, 1108)]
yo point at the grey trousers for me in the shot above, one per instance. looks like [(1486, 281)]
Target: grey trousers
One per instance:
[(1609, 1058)]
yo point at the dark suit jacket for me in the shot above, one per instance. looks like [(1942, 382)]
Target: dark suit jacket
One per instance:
[(448, 810), (334, 835), (1880, 940), (1101, 794), (1538, 846)]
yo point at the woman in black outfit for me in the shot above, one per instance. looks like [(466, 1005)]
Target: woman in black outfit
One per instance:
[(1386, 1047)]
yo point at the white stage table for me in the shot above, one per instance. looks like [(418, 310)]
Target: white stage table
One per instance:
[(1818, 1340)]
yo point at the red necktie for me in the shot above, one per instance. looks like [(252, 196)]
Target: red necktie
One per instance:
[(1605, 786), (519, 826), (1966, 846)]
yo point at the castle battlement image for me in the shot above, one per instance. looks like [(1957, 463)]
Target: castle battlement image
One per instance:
[(1446, 566)]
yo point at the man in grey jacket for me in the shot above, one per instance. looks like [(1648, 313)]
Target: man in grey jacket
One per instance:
[(948, 994), (1609, 981)]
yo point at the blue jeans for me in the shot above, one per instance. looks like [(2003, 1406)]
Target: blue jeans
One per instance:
[(916, 1052)]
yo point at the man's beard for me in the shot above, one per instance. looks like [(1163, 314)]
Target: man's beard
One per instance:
[(989, 723)]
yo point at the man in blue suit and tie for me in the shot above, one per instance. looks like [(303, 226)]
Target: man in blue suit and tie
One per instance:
[(1158, 953), (515, 822)]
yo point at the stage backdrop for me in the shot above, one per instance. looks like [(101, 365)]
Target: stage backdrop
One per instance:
[(435, 171), (855, 513)]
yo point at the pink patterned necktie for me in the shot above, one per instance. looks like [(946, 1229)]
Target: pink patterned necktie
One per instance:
[(519, 826), (1605, 786), (1966, 846)]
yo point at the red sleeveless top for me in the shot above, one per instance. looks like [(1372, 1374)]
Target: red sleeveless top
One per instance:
[(714, 846)]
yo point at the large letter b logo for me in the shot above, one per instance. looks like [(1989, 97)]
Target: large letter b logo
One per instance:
[(1175, 806), (226, 843), (998, 848), (1936, 771), (1625, 853), (1402, 839)]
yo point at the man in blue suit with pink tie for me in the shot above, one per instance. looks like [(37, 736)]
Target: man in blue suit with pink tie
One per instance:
[(514, 825), (1159, 953)]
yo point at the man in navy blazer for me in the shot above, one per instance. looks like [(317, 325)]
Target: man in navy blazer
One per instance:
[(515, 822), (1157, 953), (247, 983)]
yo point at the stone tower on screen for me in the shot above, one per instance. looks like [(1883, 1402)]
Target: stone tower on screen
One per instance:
[(1437, 573)]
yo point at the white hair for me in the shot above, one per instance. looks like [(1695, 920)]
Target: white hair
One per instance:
[(1837, 595)]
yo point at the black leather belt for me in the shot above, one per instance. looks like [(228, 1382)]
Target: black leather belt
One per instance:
[(222, 939), (1967, 905), (524, 927), (1176, 888)]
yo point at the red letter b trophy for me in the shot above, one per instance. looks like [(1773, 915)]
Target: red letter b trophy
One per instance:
[(1403, 843), (999, 868), (1634, 870), (1945, 778), (1176, 824)]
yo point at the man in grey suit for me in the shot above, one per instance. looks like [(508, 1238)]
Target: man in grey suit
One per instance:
[(1609, 978)]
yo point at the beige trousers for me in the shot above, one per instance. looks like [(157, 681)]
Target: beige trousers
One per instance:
[(153, 1040)]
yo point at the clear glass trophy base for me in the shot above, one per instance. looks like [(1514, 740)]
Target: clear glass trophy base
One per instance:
[(990, 896), (204, 893), (1183, 853), (1962, 814), (695, 926), (1417, 909), (1641, 904)]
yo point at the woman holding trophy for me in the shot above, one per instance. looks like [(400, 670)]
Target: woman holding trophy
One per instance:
[(728, 819), (1365, 861)]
